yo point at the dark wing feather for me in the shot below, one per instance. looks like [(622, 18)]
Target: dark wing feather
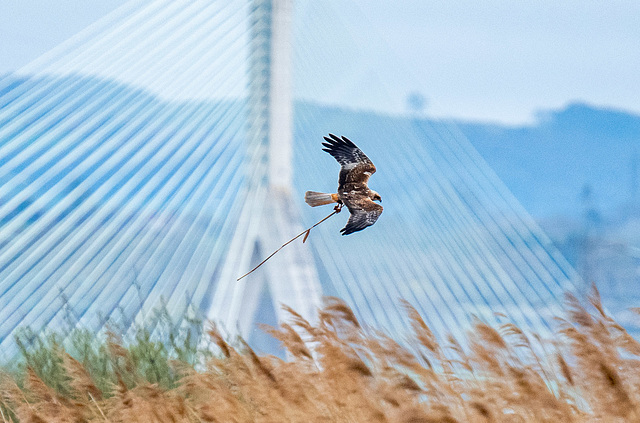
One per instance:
[(355, 165), (365, 215)]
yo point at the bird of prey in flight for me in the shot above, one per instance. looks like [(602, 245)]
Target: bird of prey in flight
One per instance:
[(353, 192)]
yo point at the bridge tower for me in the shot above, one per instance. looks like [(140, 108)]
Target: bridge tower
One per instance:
[(270, 215)]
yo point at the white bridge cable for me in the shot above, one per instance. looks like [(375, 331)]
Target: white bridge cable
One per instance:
[(104, 59), (43, 114), (108, 183), (527, 224), (126, 241), (389, 254), (521, 257), (499, 298), (447, 235), (122, 234), (455, 239), (6, 205), (227, 304), (156, 261), (227, 297), (370, 288), (469, 247), (151, 73), (249, 217), (525, 257), (231, 68), (226, 214), (530, 229), (476, 208), (99, 161), (131, 11), (411, 246), (386, 253), (141, 43), (377, 283), (111, 158), (316, 153), (78, 303), (83, 173), (223, 308), (38, 169), (158, 71), (209, 256)]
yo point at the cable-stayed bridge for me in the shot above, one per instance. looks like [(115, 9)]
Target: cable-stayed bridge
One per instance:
[(159, 154)]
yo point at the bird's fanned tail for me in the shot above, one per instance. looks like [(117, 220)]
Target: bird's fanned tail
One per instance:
[(315, 199)]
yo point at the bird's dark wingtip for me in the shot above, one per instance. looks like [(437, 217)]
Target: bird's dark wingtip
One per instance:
[(348, 141)]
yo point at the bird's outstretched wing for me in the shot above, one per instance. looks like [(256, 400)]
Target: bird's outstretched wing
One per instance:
[(355, 165), (363, 214)]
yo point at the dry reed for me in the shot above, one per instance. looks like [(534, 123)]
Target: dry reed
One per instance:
[(338, 371)]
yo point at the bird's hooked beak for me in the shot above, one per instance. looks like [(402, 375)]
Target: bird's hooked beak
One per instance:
[(376, 197)]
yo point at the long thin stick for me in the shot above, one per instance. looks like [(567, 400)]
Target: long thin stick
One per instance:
[(336, 210)]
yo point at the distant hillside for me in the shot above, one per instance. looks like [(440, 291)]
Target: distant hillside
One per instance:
[(573, 171), (434, 189), (547, 165)]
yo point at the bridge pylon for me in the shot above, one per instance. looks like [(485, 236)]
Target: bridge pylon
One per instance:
[(269, 216)]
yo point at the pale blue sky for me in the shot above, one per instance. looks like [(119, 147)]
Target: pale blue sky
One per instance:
[(498, 60)]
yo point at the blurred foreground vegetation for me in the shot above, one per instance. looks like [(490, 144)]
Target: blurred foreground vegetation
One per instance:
[(342, 373)]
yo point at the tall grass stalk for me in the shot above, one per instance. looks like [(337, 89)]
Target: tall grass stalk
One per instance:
[(336, 371)]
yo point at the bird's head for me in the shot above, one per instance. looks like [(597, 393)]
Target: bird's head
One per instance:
[(375, 196)]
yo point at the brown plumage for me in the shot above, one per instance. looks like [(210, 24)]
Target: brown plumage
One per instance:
[(353, 191)]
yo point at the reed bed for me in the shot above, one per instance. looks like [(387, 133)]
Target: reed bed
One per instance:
[(336, 371)]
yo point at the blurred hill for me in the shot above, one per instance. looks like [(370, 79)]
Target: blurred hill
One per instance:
[(577, 171), (549, 164)]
